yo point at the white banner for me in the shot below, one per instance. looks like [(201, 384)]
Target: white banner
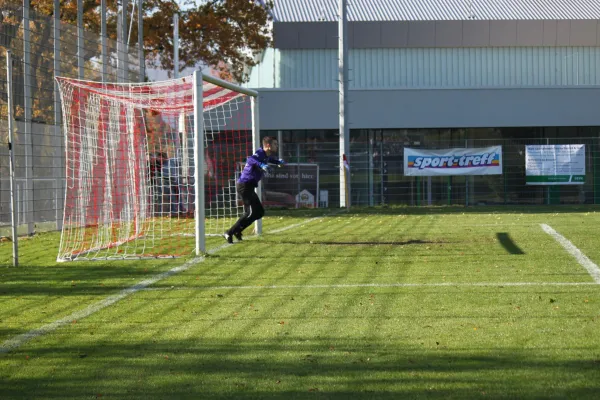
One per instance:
[(478, 161), (555, 164)]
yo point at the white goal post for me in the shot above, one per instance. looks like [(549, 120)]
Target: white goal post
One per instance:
[(151, 167)]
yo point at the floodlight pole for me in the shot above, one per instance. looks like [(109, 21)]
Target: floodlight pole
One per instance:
[(122, 50), (343, 102), (142, 59), (13, 204), (176, 45), (103, 40), (80, 45)]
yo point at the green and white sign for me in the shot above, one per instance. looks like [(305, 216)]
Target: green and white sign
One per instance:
[(557, 164)]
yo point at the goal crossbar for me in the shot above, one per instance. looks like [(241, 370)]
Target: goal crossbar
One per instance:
[(150, 167)]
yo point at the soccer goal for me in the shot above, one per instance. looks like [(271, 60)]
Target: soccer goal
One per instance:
[(140, 181)]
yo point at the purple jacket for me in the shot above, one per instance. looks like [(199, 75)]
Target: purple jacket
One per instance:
[(252, 172)]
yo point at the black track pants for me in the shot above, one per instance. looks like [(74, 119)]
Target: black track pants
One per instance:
[(253, 209)]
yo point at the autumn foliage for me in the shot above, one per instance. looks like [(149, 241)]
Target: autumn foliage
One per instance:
[(223, 34)]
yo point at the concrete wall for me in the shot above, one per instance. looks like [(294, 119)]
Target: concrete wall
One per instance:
[(39, 177)]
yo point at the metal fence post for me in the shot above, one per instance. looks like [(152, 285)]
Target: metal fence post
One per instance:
[(27, 133), (370, 165), (57, 161), (13, 204), (504, 180), (596, 169), (384, 176)]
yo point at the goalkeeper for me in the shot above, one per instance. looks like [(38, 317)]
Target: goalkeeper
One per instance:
[(256, 165)]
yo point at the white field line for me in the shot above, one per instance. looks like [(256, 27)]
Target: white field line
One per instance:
[(581, 258), (500, 224), (295, 225), (378, 285), (18, 340)]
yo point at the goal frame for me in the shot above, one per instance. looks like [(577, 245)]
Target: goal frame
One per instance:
[(199, 188), (201, 104)]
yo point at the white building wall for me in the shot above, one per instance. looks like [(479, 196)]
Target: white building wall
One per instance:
[(431, 68)]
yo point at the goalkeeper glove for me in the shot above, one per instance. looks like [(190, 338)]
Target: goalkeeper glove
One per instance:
[(281, 162), (265, 167)]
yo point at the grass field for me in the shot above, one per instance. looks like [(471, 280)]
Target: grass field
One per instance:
[(376, 303)]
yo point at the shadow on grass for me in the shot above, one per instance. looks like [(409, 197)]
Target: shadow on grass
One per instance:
[(294, 367), (75, 279), (508, 244)]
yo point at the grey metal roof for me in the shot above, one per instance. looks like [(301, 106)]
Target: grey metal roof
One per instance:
[(436, 10)]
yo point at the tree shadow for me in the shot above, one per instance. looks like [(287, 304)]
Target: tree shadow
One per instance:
[(329, 367)]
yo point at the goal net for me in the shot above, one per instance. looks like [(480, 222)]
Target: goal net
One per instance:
[(131, 155)]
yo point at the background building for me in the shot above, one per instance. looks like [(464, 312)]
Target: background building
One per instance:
[(435, 74)]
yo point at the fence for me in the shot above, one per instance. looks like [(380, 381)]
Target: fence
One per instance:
[(377, 174), (43, 47), (377, 177)]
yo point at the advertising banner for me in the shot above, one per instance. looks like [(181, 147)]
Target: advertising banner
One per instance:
[(555, 164), (290, 186), (446, 162)]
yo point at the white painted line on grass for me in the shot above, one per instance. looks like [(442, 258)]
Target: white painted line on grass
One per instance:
[(500, 224), (285, 228), (295, 225), (377, 285), (581, 258), (17, 341)]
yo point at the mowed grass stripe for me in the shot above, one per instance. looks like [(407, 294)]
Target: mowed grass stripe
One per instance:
[(315, 254), (268, 331), (371, 285), (16, 341)]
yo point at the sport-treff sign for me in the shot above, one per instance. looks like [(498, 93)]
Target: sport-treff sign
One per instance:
[(555, 164), (477, 161)]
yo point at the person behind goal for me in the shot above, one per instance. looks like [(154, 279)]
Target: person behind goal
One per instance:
[(256, 166)]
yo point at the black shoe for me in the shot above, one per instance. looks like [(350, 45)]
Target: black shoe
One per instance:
[(238, 236), (228, 237)]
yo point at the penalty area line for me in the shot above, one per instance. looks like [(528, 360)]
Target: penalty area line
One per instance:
[(581, 258), (286, 228), (18, 340), (15, 342)]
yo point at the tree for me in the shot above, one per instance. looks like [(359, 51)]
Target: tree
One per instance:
[(223, 34), (226, 34)]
